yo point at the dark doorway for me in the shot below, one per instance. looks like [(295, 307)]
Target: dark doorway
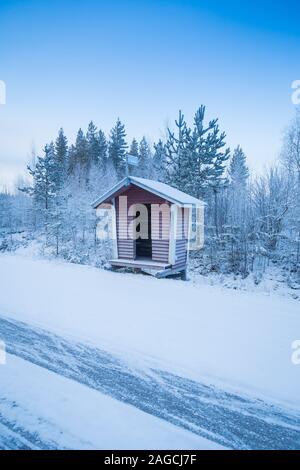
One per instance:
[(143, 246)]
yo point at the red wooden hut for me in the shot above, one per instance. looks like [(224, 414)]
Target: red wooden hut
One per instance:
[(153, 225)]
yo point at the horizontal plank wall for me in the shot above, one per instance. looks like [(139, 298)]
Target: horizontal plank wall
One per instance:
[(182, 238), (159, 227), (126, 246), (160, 231)]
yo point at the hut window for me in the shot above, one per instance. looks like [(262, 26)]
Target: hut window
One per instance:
[(197, 228)]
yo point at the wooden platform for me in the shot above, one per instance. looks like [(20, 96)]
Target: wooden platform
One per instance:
[(143, 263), (149, 266)]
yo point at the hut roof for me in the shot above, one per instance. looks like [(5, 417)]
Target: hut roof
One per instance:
[(156, 187)]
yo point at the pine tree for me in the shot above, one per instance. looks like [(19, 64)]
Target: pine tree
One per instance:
[(134, 148), (45, 178), (78, 160), (117, 148), (61, 157), (44, 187), (196, 160), (102, 151), (237, 217), (218, 157), (159, 162), (93, 149), (177, 154), (238, 170), (209, 156), (145, 157)]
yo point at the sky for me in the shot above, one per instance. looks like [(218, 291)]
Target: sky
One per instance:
[(66, 63)]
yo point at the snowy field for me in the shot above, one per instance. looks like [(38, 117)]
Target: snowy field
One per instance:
[(232, 340)]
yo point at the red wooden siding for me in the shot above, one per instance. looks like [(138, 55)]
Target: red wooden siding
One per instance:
[(160, 238), (181, 241), (160, 232), (126, 246)]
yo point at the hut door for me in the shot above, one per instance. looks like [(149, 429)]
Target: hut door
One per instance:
[(143, 246)]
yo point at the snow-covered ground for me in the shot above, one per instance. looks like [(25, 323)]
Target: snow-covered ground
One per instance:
[(236, 338), (272, 282), (40, 409), (233, 420)]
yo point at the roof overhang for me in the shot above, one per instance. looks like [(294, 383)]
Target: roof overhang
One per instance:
[(125, 182), (122, 183)]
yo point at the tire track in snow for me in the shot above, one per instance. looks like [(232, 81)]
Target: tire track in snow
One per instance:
[(232, 420)]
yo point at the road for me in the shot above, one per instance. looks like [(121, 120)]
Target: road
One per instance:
[(233, 420)]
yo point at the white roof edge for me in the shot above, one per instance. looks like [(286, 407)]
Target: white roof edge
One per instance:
[(169, 193), (111, 191), (185, 200)]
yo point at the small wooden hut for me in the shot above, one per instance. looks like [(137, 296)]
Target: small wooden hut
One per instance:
[(153, 225)]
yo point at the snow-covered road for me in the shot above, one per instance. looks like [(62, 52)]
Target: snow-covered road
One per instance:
[(232, 420), (40, 409)]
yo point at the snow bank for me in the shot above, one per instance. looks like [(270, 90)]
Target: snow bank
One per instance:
[(241, 338), (69, 415)]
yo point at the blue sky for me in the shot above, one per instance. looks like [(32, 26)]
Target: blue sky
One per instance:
[(68, 62)]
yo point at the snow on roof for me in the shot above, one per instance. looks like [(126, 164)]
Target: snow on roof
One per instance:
[(156, 187), (167, 191)]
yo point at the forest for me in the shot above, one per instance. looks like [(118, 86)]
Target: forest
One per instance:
[(252, 221)]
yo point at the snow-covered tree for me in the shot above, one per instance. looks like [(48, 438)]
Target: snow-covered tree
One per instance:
[(93, 148), (238, 169), (102, 142), (134, 148), (61, 157), (159, 165), (290, 153), (178, 154), (145, 159), (196, 158), (78, 156), (117, 148)]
